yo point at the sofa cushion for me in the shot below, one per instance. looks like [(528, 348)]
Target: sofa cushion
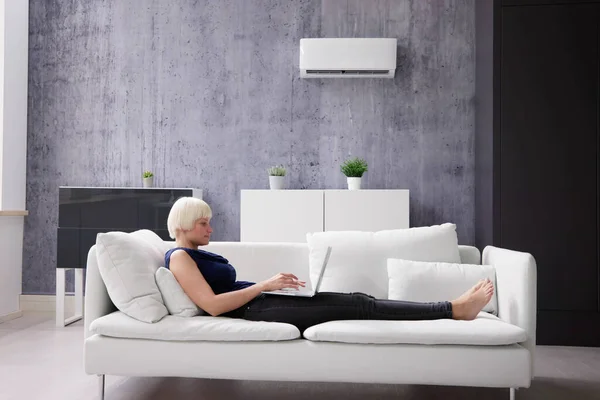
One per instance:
[(155, 241), (176, 300), (205, 328), (436, 281), (127, 263), (358, 261), (485, 330)]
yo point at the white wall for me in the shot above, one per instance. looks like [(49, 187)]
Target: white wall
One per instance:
[(2, 28), (11, 251), (14, 136), (14, 36)]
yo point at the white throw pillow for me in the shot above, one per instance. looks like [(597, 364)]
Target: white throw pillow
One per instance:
[(127, 263), (436, 281), (358, 261), (177, 302), (155, 241)]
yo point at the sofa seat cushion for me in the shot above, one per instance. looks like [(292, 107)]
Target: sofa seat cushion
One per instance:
[(485, 330), (204, 328)]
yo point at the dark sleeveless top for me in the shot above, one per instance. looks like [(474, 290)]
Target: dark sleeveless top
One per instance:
[(217, 271)]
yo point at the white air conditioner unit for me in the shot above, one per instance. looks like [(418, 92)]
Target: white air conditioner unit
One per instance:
[(348, 58)]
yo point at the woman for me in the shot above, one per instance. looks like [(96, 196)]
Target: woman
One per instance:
[(210, 282)]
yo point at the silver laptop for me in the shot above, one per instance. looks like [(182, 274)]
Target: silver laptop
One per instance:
[(303, 292)]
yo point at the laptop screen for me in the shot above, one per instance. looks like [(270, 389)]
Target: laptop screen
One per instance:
[(325, 261)]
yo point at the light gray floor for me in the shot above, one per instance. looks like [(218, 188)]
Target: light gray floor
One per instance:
[(39, 361)]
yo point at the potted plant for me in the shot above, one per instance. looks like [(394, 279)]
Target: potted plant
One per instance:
[(148, 179), (354, 169), (276, 177)]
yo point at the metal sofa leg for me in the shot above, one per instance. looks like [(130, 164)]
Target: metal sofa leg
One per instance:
[(513, 393), (101, 387)]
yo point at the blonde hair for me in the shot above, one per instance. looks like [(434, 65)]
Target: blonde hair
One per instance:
[(184, 214)]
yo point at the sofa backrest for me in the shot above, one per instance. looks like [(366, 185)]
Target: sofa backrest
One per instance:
[(469, 255), (259, 261)]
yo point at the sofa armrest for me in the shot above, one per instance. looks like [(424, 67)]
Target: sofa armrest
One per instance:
[(516, 286), (97, 301)]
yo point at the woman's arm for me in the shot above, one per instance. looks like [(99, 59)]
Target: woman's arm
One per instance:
[(199, 291)]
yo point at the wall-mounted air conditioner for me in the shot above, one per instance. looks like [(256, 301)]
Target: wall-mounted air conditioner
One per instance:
[(348, 58)]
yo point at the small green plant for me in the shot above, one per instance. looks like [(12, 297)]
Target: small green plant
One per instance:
[(354, 167), (277, 171), (148, 174)]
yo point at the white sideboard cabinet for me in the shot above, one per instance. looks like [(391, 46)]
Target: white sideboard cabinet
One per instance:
[(288, 215)]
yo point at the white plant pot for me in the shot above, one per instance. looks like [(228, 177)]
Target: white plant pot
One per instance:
[(354, 183), (148, 182), (276, 182)]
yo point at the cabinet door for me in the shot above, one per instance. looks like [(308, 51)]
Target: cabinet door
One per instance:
[(366, 210), (280, 215), (549, 150)]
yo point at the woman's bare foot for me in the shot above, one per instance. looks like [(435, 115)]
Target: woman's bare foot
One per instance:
[(476, 286), (470, 303)]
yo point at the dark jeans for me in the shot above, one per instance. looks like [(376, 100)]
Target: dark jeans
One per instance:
[(304, 312)]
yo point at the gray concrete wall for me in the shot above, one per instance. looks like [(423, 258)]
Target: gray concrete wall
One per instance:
[(207, 94)]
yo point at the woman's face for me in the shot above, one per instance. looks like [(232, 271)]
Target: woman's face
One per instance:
[(200, 234)]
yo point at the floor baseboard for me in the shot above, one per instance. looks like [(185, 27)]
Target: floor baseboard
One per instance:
[(46, 302), (13, 315)]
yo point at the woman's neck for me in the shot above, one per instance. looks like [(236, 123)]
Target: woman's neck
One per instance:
[(185, 243)]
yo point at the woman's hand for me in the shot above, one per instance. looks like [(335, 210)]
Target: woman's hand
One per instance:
[(281, 281)]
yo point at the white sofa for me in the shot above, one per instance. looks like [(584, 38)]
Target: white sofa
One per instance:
[(206, 347)]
